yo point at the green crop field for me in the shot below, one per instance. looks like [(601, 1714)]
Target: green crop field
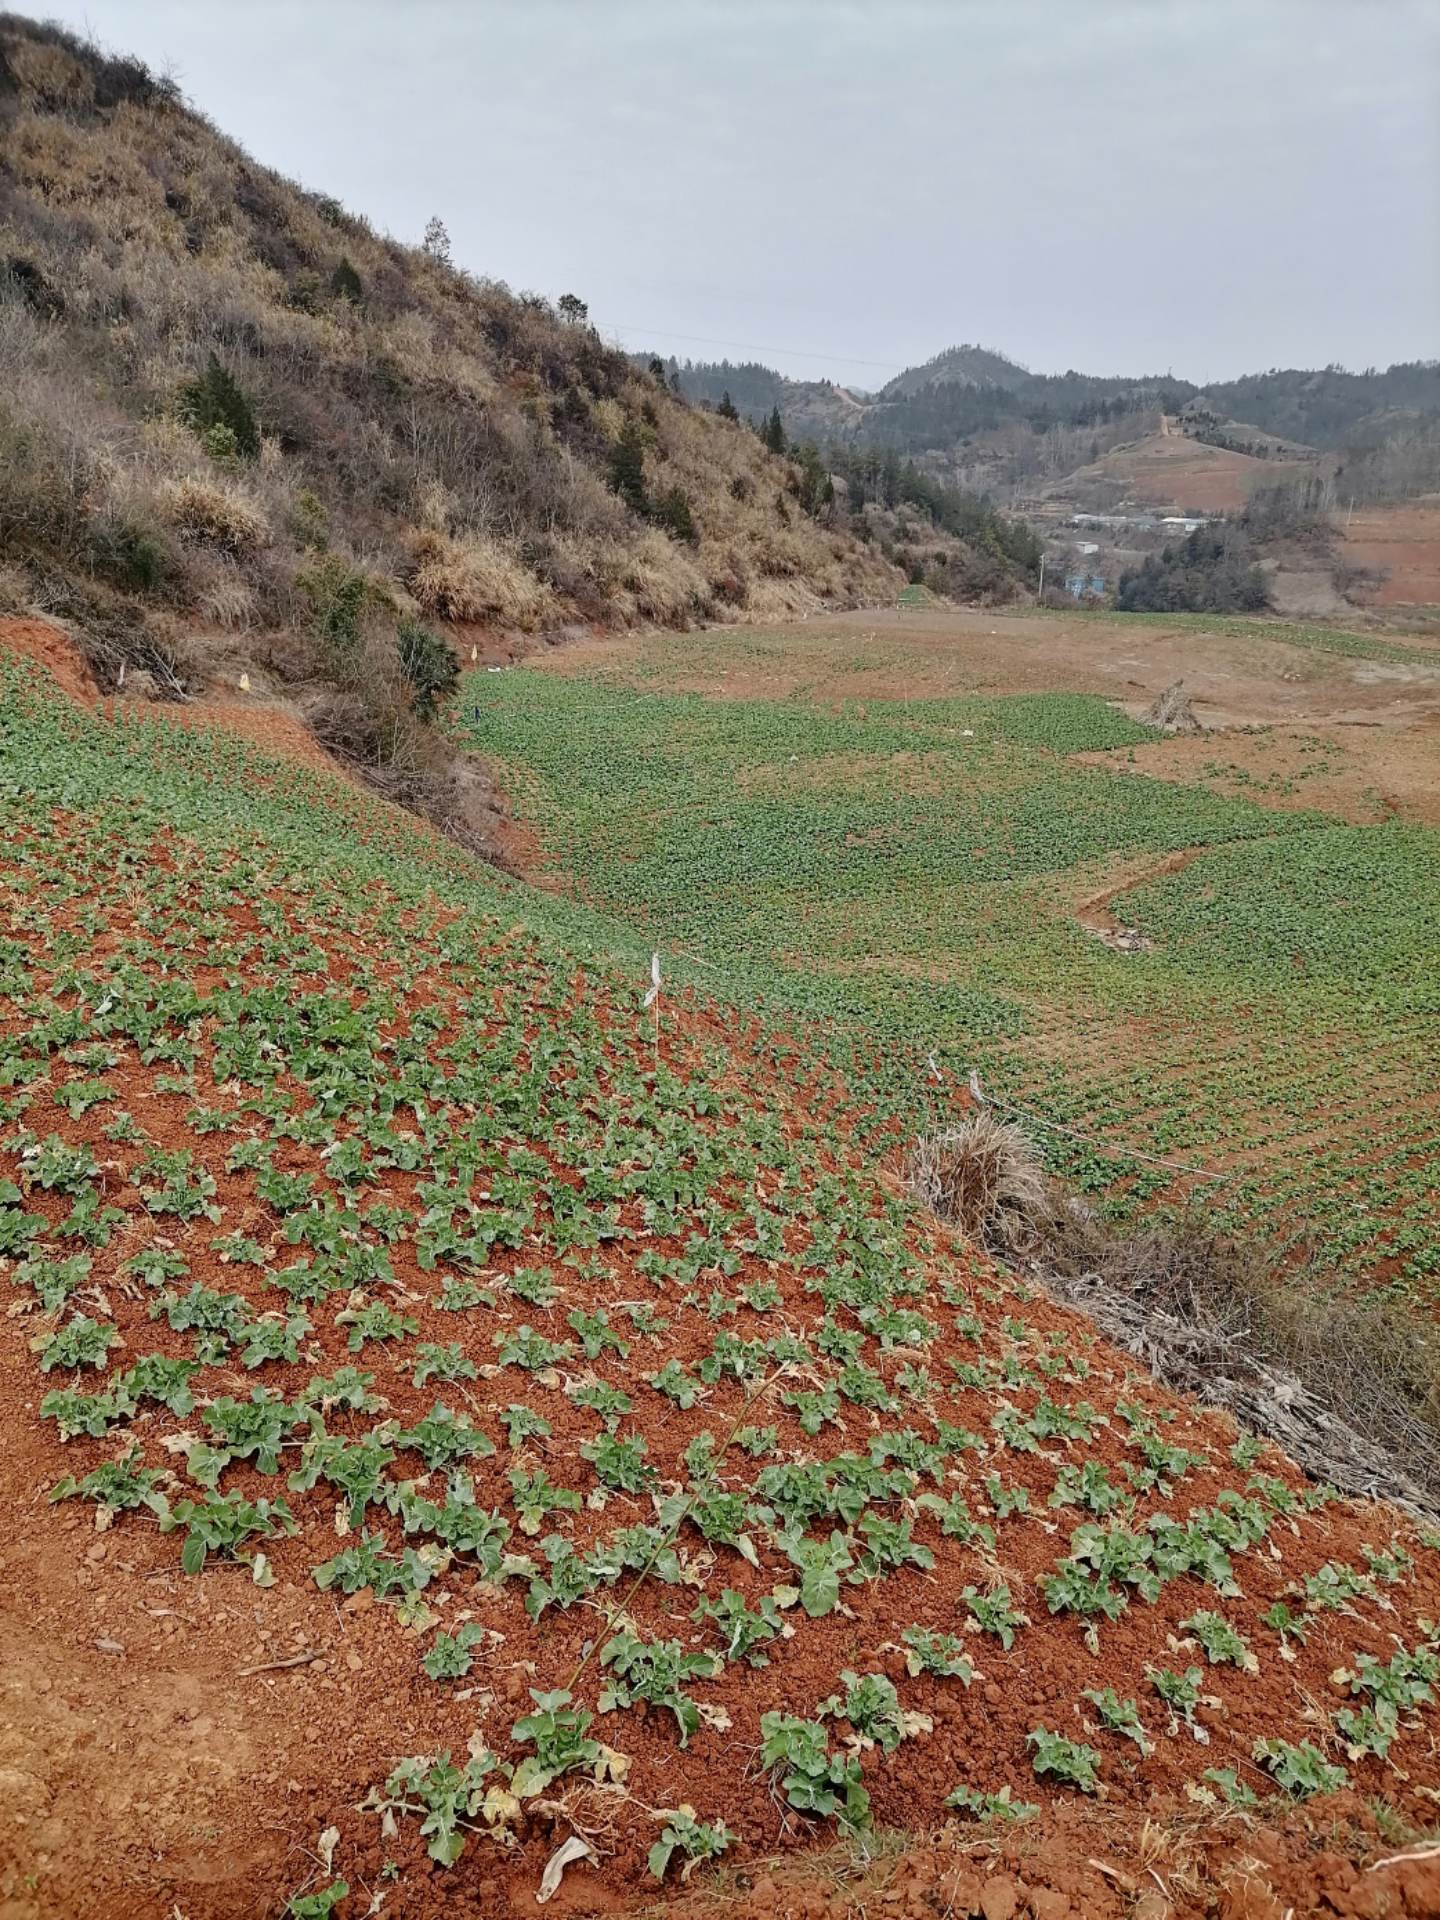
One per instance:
[(909, 872), (578, 1376)]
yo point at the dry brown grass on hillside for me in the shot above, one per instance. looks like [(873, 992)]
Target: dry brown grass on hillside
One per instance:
[(985, 1177), (441, 444)]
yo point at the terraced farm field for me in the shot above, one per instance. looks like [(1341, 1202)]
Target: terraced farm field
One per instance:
[(951, 874), (452, 1413)]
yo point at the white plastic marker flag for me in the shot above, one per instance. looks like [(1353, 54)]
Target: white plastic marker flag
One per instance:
[(975, 1088), (652, 999), (474, 654), (935, 1073), (244, 683)]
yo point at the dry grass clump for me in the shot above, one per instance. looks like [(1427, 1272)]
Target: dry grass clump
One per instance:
[(984, 1177), (215, 514), (226, 601), (1173, 712), (654, 580), (49, 77), (1348, 1385), (473, 578)]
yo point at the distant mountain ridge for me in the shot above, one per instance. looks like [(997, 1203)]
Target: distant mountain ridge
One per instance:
[(971, 390), (975, 419)]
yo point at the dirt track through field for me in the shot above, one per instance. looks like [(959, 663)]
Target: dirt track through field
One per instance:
[(1094, 913)]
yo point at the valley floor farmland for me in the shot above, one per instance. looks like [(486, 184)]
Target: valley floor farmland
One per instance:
[(937, 828)]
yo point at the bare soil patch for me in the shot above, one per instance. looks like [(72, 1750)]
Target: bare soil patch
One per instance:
[(1362, 772), (55, 651), (1084, 1864), (1233, 678), (271, 728), (1400, 544)]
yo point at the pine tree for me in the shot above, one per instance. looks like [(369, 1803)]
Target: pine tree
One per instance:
[(217, 400), (672, 512), (727, 408), (627, 467), (774, 434), (345, 283), (437, 240), (890, 478)]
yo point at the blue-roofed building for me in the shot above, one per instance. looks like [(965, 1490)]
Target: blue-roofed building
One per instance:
[(1085, 586)]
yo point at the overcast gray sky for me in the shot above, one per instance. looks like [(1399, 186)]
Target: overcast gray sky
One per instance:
[(841, 189)]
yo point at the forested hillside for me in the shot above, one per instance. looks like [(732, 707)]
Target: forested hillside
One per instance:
[(1329, 407), (982, 419)]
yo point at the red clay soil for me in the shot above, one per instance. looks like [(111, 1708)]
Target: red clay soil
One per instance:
[(270, 728), (55, 651), (156, 1717), (1082, 1863), (1401, 545), (1365, 770)]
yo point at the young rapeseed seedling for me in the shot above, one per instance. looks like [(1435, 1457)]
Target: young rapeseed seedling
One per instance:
[(1068, 1760)]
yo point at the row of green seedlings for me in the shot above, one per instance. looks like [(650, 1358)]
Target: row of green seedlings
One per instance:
[(1100, 1557), (224, 1325), (817, 1778), (1072, 1586), (1387, 1690), (1086, 1582), (342, 1262), (1090, 1582), (696, 1153), (461, 1525)]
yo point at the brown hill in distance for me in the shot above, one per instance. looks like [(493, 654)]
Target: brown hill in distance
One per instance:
[(1171, 473)]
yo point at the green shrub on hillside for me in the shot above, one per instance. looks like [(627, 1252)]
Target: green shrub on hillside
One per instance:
[(216, 400), (430, 666), (337, 599), (345, 283), (672, 512), (627, 467)]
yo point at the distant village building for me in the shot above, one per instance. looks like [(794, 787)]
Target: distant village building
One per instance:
[(1085, 586)]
